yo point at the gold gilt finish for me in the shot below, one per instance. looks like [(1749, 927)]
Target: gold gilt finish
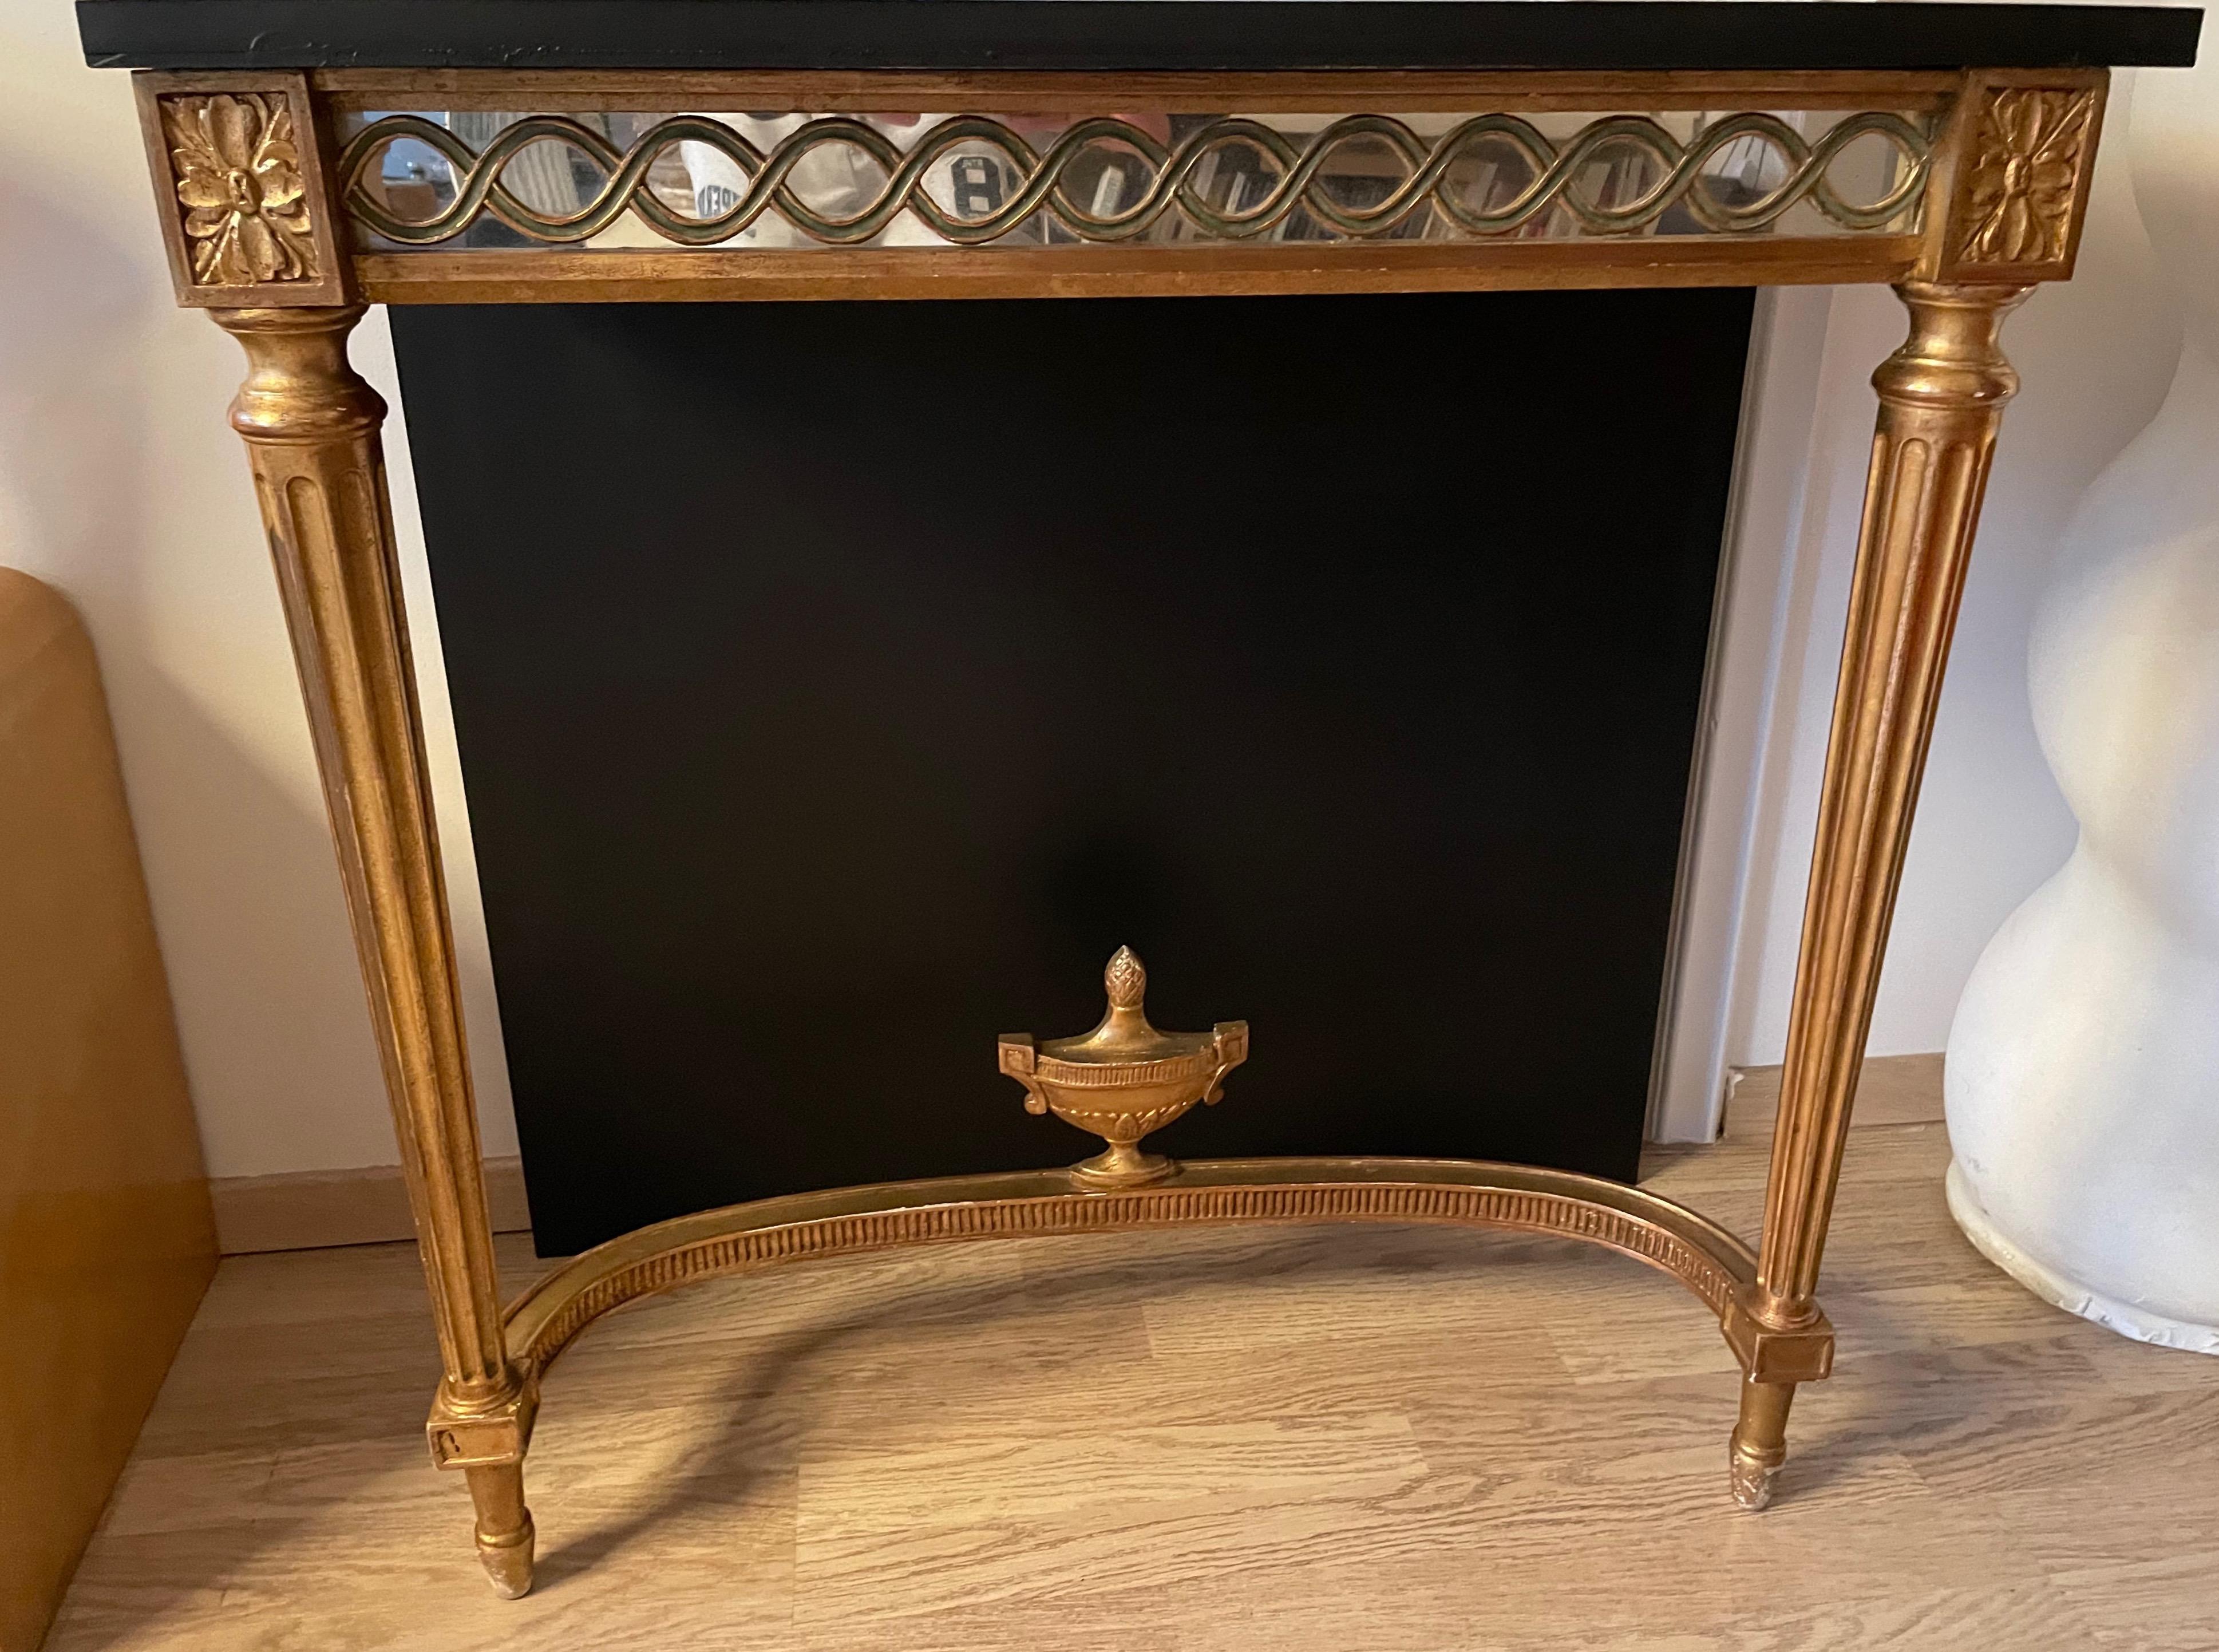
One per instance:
[(1124, 1079), (311, 427), (1941, 397), (2005, 196), (238, 180), (742, 1238)]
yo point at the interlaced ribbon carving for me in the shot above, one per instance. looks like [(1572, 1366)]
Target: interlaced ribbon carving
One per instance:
[(1552, 173)]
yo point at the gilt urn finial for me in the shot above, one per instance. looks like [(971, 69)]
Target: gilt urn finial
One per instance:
[(1124, 1078)]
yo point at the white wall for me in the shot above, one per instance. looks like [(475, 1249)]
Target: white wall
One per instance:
[(2096, 354), (120, 484)]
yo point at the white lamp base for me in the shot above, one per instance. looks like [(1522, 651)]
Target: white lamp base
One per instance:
[(2053, 1287)]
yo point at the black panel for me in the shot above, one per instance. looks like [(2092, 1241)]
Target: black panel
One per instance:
[(838, 684), (1152, 34)]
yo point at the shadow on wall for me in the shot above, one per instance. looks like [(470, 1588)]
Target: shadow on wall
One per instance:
[(103, 499), (2095, 354)]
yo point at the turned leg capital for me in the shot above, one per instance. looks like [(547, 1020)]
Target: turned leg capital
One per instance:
[(1953, 360), (300, 387)]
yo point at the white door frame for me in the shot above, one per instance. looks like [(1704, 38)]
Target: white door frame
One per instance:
[(1764, 523)]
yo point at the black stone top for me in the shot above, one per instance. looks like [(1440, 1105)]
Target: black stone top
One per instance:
[(1127, 34)]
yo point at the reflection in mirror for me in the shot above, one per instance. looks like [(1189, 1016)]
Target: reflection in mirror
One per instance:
[(612, 179)]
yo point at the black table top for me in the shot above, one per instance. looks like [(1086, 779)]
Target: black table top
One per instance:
[(1128, 34)]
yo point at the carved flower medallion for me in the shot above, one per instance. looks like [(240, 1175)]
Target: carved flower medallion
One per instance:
[(2032, 143), (238, 171)]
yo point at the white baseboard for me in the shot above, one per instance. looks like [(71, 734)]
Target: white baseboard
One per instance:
[(1893, 1089), (305, 1210)]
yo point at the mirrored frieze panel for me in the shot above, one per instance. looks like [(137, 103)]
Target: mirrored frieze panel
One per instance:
[(614, 180)]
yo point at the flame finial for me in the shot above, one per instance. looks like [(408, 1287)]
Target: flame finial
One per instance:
[(1126, 979), (1124, 1078)]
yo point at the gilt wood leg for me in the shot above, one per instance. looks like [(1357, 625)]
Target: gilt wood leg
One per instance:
[(311, 428), (1941, 398)]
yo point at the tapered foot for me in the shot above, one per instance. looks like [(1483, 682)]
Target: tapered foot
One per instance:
[(505, 1531), (1752, 1477), (1759, 1446), (507, 1562)]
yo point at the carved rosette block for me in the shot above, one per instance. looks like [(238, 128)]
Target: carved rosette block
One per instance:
[(2026, 151), (246, 218), (1124, 1079), (239, 179), (2025, 174)]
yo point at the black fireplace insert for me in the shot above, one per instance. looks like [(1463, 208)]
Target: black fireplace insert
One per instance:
[(839, 684)]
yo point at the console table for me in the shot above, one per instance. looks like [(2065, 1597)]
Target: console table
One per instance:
[(1944, 149)]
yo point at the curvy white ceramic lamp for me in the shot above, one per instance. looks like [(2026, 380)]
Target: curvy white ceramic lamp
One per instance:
[(2084, 1065)]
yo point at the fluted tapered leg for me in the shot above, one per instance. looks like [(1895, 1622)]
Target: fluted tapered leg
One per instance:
[(1941, 396), (311, 427)]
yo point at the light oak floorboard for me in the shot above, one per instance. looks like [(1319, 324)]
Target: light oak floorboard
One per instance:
[(1300, 1437)]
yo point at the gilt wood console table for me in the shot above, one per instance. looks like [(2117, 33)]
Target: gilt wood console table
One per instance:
[(308, 158)]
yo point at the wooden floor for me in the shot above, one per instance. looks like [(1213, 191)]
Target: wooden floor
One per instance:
[(1309, 1437)]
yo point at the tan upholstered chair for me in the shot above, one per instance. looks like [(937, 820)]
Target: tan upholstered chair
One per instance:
[(106, 1241)]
